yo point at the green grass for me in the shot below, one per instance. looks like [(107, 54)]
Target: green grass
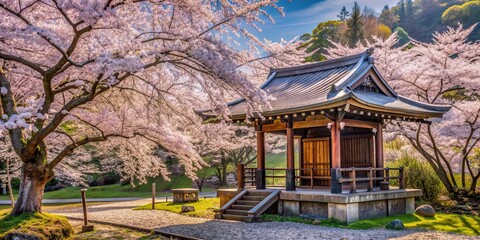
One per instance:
[(278, 160), (203, 208), (5, 211), (454, 223), (2, 207), (117, 191), (43, 225), (325, 222)]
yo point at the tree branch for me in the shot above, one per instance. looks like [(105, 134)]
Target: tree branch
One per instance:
[(22, 61), (9, 108)]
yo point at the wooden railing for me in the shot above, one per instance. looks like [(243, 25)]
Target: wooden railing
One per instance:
[(373, 175), (272, 174), (338, 177), (249, 176)]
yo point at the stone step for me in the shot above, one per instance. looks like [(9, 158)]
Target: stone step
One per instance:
[(237, 212), (258, 193), (247, 202), (233, 217), (253, 198), (242, 207)]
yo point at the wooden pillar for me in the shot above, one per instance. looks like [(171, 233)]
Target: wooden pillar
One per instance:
[(379, 146), (260, 174), (335, 174), (240, 176), (300, 152), (335, 134), (290, 174), (300, 159), (379, 151)]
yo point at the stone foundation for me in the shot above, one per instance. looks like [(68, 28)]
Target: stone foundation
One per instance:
[(348, 208)]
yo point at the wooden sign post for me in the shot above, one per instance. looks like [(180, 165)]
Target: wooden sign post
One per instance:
[(153, 196), (85, 227)]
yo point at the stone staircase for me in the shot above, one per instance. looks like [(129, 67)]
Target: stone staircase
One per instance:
[(248, 205)]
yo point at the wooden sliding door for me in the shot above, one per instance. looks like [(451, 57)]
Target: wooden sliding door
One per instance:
[(316, 161), (358, 152)]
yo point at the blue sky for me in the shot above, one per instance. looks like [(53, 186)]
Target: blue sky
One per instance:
[(301, 16)]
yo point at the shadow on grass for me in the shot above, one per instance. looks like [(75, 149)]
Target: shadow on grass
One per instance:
[(381, 222), (455, 223), (469, 225)]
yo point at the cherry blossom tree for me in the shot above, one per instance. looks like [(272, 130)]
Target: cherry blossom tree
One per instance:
[(232, 144), (11, 167), (444, 71), (75, 73)]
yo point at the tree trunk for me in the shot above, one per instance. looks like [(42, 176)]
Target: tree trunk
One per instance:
[(473, 186), (224, 176), (463, 172), (33, 180), (9, 184)]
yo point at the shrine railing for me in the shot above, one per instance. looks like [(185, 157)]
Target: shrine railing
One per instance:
[(381, 176), (336, 178)]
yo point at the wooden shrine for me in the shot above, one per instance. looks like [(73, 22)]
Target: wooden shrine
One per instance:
[(335, 111)]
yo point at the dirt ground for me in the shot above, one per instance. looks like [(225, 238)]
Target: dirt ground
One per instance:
[(110, 232)]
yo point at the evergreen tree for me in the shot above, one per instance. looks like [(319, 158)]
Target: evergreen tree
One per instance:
[(320, 38), (409, 10), (343, 14), (355, 25), (401, 11), (388, 17)]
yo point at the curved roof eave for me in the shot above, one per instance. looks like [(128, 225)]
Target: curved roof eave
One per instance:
[(330, 103), (361, 103), (437, 107), (425, 114)]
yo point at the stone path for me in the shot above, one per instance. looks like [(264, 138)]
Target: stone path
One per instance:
[(219, 229)]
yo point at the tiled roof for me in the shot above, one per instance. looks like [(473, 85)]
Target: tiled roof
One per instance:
[(315, 85)]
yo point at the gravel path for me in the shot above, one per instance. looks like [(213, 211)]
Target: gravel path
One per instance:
[(219, 229)]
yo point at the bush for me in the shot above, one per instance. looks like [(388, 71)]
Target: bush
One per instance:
[(105, 179), (420, 175), (35, 226)]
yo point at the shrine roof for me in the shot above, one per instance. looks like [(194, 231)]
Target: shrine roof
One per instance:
[(350, 80)]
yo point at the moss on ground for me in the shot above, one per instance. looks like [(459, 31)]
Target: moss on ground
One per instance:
[(41, 225), (454, 223), (203, 208)]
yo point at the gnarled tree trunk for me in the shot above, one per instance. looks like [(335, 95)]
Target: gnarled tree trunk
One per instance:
[(33, 180)]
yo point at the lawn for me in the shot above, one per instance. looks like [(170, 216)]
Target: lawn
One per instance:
[(2, 207), (454, 223), (117, 191), (203, 208)]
